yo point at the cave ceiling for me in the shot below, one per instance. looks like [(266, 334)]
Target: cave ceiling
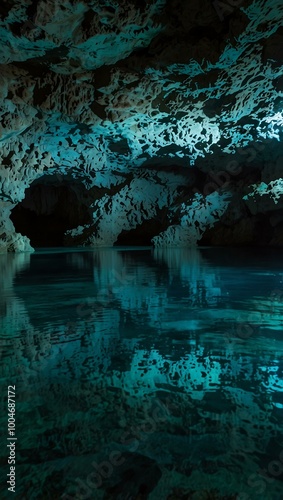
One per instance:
[(142, 102)]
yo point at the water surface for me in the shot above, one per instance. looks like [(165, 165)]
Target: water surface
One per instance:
[(143, 373)]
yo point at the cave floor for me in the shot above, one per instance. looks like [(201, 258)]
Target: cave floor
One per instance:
[(144, 373)]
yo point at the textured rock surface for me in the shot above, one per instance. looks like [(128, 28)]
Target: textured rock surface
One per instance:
[(152, 107)]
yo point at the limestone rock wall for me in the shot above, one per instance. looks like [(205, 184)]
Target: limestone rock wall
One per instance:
[(10, 241), (103, 92)]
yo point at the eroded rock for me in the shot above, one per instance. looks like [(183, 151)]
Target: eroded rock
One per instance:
[(107, 93)]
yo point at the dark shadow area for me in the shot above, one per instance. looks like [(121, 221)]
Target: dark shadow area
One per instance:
[(49, 209), (142, 234), (260, 230)]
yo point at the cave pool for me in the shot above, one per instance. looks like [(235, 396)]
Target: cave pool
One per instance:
[(143, 373)]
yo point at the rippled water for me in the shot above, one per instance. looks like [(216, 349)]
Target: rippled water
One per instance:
[(143, 373)]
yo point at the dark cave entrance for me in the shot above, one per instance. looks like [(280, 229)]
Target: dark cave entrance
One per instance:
[(142, 234), (49, 209)]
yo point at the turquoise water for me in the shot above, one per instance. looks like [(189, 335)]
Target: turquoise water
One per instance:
[(143, 373)]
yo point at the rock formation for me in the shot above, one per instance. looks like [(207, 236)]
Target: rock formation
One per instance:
[(161, 121)]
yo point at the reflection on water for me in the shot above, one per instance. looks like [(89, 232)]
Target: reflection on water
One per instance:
[(143, 373)]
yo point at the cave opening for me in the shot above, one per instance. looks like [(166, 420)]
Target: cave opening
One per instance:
[(142, 234), (52, 205)]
